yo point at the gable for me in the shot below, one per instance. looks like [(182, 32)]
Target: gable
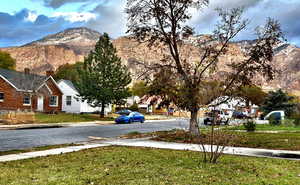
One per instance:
[(66, 89), (6, 86), (52, 85), (21, 81)]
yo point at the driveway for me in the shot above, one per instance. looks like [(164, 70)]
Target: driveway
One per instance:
[(22, 139)]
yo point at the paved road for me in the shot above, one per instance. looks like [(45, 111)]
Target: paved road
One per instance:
[(22, 139)]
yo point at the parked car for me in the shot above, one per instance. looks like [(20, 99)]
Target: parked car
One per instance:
[(132, 117), (239, 115), (222, 117), (277, 115)]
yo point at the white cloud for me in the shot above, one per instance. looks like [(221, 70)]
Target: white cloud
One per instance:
[(32, 16), (76, 16)]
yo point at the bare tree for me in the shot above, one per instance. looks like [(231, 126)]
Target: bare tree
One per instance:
[(165, 22)]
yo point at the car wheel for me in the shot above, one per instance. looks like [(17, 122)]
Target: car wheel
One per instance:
[(130, 121), (142, 120)]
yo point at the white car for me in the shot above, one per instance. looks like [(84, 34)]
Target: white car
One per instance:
[(278, 115)]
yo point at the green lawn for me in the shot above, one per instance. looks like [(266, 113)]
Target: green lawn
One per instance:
[(278, 141), (124, 165), (268, 127), (63, 117)]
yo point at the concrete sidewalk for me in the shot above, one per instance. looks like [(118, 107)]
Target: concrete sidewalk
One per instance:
[(145, 142), (56, 151)]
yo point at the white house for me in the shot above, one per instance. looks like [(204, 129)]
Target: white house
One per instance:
[(229, 105), (71, 103)]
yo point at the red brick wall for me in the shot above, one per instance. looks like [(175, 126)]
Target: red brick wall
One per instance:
[(13, 99), (55, 92)]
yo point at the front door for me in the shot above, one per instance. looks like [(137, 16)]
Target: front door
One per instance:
[(40, 104)]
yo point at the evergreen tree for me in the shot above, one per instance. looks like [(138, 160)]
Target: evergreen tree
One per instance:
[(279, 100), (6, 61), (103, 79)]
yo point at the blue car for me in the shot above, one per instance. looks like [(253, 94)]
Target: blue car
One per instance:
[(132, 117)]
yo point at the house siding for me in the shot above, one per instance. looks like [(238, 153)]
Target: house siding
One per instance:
[(13, 99), (77, 105)]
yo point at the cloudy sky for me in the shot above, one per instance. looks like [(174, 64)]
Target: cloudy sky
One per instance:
[(23, 21)]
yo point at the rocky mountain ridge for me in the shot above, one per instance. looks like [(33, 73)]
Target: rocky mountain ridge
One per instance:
[(72, 45)]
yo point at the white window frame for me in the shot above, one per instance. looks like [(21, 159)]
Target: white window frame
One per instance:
[(2, 100), (27, 104), (56, 105), (68, 101)]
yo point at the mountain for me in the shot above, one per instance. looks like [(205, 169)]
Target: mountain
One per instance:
[(48, 53), (72, 45), (81, 40)]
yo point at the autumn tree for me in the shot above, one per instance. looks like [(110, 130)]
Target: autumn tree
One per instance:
[(6, 61), (139, 88), (253, 94), (68, 72), (103, 79), (165, 22)]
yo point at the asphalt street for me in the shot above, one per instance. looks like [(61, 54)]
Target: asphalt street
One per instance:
[(28, 138)]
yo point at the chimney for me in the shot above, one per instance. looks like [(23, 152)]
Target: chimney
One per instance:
[(49, 73), (26, 71)]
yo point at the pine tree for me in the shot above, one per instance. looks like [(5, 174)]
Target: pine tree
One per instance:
[(103, 79), (279, 100)]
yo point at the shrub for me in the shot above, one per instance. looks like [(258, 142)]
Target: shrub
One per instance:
[(296, 118), (297, 122), (288, 122), (250, 126)]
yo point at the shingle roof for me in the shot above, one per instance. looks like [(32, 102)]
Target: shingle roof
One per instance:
[(22, 81)]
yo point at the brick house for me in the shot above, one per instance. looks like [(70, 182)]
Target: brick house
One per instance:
[(26, 91)]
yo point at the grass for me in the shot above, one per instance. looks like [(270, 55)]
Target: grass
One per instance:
[(124, 165), (64, 117), (278, 141), (35, 149), (268, 127)]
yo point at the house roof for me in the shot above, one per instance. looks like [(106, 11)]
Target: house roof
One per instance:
[(22, 81), (69, 83)]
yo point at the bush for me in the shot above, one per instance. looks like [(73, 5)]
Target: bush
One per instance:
[(296, 118), (250, 126), (288, 122), (297, 122)]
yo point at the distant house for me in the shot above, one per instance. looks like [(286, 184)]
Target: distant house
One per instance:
[(71, 103), (26, 91), (231, 104)]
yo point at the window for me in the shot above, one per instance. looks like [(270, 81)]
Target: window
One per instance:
[(1, 97), (26, 99), (68, 100), (53, 101)]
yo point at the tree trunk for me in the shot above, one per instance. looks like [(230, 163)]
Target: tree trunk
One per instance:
[(102, 110), (194, 128)]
